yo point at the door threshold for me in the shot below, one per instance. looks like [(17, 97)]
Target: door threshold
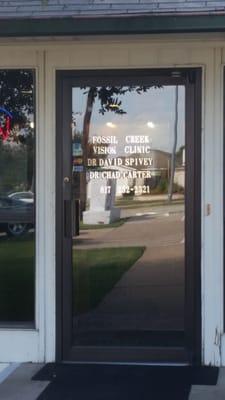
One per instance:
[(142, 364), (129, 356)]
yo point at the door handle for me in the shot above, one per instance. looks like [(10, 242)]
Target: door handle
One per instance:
[(67, 219)]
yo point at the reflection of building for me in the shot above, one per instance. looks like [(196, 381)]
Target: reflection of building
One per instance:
[(161, 159), (179, 175), (160, 169), (101, 195), (123, 182)]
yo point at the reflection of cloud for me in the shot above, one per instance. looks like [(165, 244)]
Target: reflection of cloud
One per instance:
[(111, 125), (156, 105), (150, 124), (161, 137)]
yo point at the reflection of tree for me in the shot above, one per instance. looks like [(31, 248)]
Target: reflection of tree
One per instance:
[(16, 92), (17, 153), (180, 156), (78, 139), (173, 156), (110, 101)]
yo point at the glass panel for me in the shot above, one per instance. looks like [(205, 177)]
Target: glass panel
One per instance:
[(17, 206), (128, 163)]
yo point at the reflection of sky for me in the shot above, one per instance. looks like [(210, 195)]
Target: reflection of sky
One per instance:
[(156, 105)]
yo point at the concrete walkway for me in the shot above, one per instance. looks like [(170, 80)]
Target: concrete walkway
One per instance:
[(210, 392), (19, 386)]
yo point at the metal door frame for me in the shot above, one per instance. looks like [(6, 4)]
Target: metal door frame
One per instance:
[(191, 78)]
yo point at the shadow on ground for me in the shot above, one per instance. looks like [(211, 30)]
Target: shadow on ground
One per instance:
[(122, 382)]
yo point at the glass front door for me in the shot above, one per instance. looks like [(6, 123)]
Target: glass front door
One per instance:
[(125, 212)]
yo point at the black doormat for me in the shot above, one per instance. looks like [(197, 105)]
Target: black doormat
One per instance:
[(122, 382)]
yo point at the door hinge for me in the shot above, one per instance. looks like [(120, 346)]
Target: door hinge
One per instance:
[(191, 76)]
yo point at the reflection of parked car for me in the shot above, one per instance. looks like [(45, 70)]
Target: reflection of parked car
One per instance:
[(16, 216), (26, 197)]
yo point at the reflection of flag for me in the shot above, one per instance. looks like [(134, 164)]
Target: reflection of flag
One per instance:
[(77, 149), (78, 168), (77, 161), (5, 130)]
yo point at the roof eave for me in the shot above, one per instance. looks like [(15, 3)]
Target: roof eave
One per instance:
[(141, 24)]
